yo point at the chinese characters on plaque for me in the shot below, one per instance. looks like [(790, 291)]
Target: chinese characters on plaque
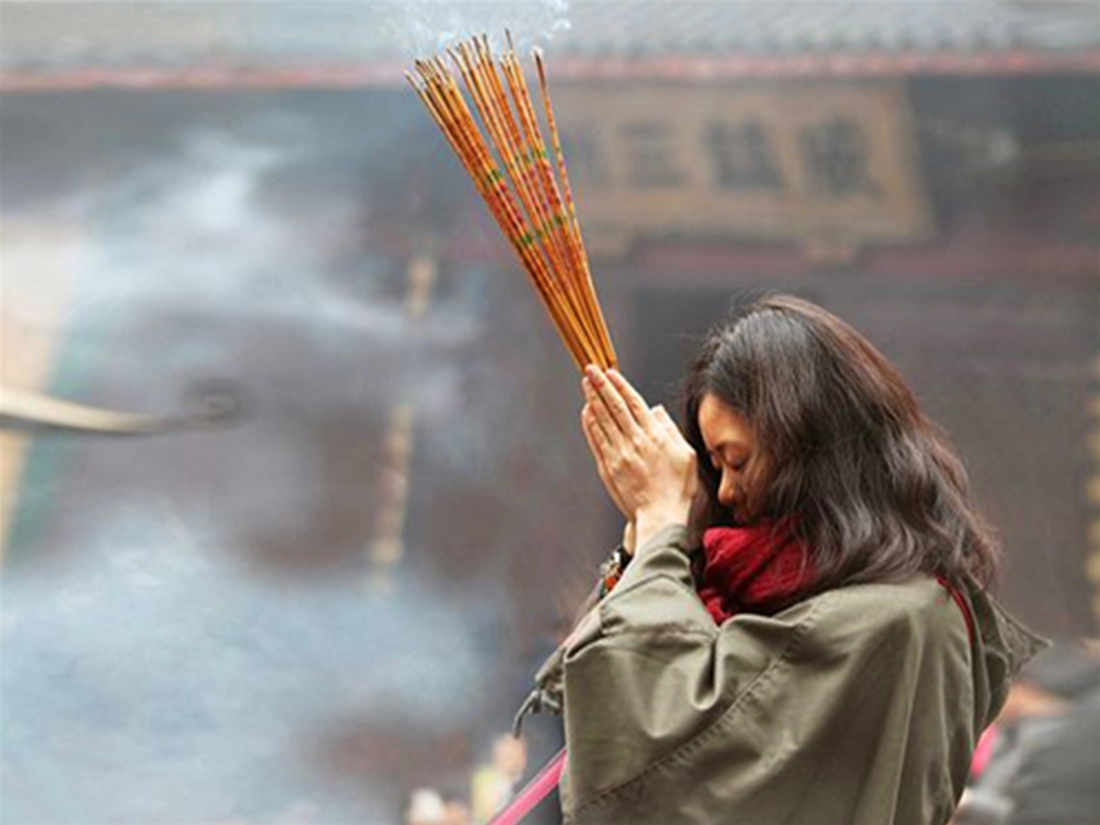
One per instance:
[(817, 164)]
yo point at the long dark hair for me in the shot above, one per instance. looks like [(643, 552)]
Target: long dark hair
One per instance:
[(844, 453)]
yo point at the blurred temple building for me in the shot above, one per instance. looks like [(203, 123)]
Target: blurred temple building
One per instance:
[(928, 170)]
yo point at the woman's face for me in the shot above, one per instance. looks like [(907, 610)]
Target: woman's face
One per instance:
[(730, 444)]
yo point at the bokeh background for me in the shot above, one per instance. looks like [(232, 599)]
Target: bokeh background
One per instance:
[(338, 590)]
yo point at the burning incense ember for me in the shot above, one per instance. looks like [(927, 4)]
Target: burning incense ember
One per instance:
[(533, 207)]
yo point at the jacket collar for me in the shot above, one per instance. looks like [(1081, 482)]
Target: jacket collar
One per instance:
[(1004, 645)]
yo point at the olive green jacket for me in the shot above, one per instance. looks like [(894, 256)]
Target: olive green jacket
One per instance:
[(860, 706)]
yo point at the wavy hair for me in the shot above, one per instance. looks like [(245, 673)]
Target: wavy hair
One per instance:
[(843, 450)]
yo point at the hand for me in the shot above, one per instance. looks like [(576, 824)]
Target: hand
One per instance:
[(646, 465)]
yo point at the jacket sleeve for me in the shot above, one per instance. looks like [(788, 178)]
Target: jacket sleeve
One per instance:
[(648, 672)]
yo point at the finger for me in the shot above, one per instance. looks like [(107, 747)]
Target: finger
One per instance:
[(665, 420), (634, 401), (613, 401), (608, 450), (597, 445), (593, 431), (672, 429), (604, 417)]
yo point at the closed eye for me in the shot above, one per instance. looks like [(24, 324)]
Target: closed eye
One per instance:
[(716, 461)]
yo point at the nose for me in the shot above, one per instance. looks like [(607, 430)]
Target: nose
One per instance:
[(727, 490)]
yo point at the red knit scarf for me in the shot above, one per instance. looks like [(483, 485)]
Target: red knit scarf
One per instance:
[(760, 569)]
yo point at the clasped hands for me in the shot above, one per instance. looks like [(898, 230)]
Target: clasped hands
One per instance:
[(645, 463)]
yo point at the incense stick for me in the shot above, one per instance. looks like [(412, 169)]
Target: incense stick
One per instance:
[(529, 197), (450, 112)]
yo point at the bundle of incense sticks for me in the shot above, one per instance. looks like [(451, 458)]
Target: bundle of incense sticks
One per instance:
[(533, 208)]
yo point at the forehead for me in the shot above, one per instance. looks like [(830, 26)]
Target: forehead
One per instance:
[(720, 424)]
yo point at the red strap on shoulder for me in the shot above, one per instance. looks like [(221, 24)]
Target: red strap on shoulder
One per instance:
[(962, 603)]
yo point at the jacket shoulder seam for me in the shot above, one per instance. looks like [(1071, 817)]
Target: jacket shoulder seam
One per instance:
[(630, 588), (685, 627)]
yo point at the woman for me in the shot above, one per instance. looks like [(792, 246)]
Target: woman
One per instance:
[(802, 635)]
